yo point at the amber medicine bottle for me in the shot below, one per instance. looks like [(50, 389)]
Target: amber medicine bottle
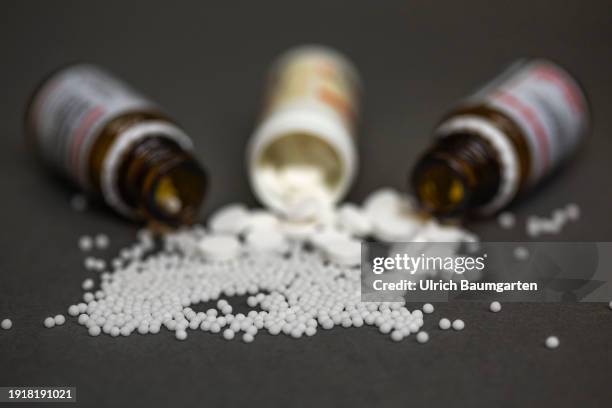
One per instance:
[(502, 140), (117, 144), (303, 151)]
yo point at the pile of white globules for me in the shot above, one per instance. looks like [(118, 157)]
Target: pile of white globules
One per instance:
[(299, 277)]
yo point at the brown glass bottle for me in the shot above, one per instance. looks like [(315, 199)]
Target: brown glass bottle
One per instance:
[(501, 141), (117, 144)]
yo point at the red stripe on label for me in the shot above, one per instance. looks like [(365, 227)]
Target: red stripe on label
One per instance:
[(569, 92), (79, 135), (533, 121)]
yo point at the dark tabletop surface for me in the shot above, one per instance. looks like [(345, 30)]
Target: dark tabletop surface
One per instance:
[(205, 63)]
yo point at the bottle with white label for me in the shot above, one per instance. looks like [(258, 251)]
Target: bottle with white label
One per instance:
[(302, 157), (502, 140), (114, 142)]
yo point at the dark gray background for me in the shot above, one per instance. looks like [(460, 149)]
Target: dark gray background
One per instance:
[(205, 62)]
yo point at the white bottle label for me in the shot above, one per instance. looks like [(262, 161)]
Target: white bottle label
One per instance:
[(70, 110), (315, 77), (547, 104)]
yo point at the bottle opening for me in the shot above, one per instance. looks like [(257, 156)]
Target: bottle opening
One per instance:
[(298, 171), (440, 189), (176, 195)]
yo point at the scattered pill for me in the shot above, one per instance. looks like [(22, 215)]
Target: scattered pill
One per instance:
[(572, 211), (296, 276), (59, 320), (6, 324), (495, 307), (73, 310), (230, 219), (610, 305), (228, 334), (552, 342), (219, 247), (88, 284), (49, 322), (396, 335), (86, 243), (444, 324), (101, 241), (458, 324), (422, 337), (521, 253), (266, 240), (506, 220)]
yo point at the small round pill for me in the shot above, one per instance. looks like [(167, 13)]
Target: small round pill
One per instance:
[(228, 334), (59, 319), (422, 337), (94, 331), (552, 342), (6, 324), (428, 308), (73, 310), (87, 284), (506, 220), (444, 323), (521, 253), (572, 211), (248, 338), (101, 241), (180, 334), (396, 335), (49, 322), (86, 243), (458, 324), (610, 305), (495, 307)]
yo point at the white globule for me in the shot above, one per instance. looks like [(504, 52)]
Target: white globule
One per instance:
[(552, 342), (495, 307), (86, 243), (298, 276), (422, 337), (6, 324), (458, 324), (88, 284), (444, 324), (521, 253), (428, 308), (506, 220)]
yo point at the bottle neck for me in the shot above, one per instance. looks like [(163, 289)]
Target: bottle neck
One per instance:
[(161, 181), (461, 172)]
